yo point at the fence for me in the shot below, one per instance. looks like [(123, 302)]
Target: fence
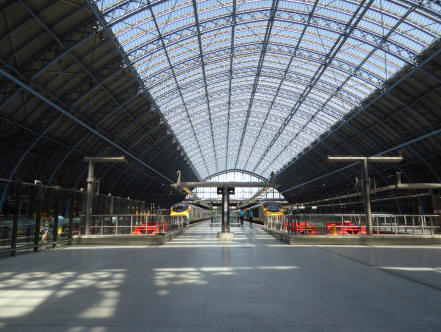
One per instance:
[(216, 218), (129, 224), (406, 224), (352, 224), (35, 216)]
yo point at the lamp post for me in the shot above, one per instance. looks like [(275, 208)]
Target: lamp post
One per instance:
[(90, 180), (365, 179)]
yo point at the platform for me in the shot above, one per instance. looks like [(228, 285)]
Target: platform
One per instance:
[(125, 239), (380, 240), (198, 283)]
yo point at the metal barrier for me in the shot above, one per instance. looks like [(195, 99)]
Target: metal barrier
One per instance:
[(216, 219), (407, 224), (132, 224), (353, 224), (274, 222), (33, 215), (25, 233)]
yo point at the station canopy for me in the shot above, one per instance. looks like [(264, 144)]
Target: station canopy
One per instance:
[(248, 85)]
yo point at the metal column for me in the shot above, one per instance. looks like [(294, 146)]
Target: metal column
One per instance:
[(56, 214), (225, 210), (37, 208), (15, 219), (71, 215), (90, 180), (366, 195), (365, 178)]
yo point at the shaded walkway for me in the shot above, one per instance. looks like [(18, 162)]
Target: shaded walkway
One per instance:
[(196, 283)]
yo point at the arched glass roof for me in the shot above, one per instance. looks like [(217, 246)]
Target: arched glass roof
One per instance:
[(250, 84), (206, 193)]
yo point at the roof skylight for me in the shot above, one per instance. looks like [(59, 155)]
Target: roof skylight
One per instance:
[(249, 84)]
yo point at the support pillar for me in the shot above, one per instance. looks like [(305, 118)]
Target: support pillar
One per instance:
[(15, 218), (71, 215), (56, 214), (225, 235), (90, 181), (225, 211), (366, 195), (37, 210), (365, 178)]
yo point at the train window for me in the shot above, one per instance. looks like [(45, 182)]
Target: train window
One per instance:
[(180, 207), (272, 206)]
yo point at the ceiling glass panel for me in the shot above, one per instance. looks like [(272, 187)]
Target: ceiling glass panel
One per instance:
[(247, 84), (240, 193)]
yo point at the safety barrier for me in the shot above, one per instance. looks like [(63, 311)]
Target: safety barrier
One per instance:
[(275, 222), (354, 224), (216, 218), (132, 224), (34, 215), (407, 224)]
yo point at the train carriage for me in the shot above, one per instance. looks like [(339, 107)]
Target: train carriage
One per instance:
[(267, 213), (188, 213)]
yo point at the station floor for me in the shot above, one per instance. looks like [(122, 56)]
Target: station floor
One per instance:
[(196, 283)]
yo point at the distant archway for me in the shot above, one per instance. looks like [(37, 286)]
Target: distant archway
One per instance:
[(240, 193)]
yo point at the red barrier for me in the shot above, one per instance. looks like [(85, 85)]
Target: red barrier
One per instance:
[(137, 231), (301, 227), (150, 228), (306, 228), (348, 228)]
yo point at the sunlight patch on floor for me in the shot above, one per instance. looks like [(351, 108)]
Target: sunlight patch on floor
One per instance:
[(104, 308), (412, 268), (23, 293), (169, 276), (20, 303)]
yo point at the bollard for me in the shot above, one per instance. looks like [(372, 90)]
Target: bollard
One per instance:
[(334, 230)]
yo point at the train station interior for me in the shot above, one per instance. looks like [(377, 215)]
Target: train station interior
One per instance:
[(220, 165)]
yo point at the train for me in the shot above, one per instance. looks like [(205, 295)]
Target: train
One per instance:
[(273, 216), (189, 213), (266, 212), (181, 214)]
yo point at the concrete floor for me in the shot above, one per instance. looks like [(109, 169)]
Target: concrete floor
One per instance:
[(196, 283)]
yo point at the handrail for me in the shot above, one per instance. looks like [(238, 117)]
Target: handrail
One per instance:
[(45, 244), (362, 214), (397, 224)]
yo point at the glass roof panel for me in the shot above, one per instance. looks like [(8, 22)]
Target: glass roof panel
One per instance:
[(250, 84), (240, 193)]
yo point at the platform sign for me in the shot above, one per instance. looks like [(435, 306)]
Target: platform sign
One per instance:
[(220, 190)]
